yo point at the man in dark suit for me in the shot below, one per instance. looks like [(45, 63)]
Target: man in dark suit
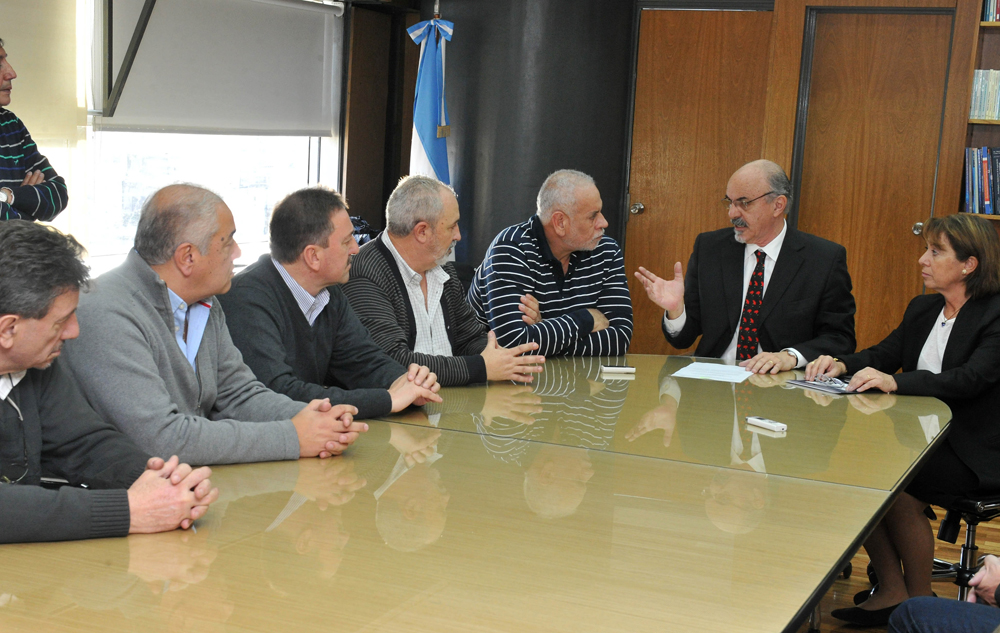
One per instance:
[(761, 294)]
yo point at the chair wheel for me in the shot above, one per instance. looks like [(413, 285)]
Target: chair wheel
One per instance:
[(872, 576), (848, 570)]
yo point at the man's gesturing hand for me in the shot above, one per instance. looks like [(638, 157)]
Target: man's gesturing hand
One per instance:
[(668, 294), (509, 364), (326, 430), (169, 495)]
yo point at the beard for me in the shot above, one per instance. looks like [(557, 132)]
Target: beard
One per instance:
[(443, 259), (741, 223)]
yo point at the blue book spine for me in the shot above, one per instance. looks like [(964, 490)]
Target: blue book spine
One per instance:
[(987, 183)]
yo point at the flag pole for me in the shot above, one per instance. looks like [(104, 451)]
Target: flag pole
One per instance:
[(437, 9)]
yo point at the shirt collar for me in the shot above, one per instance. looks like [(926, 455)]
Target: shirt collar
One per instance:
[(408, 274), (304, 300), (539, 230), (9, 381), (773, 247), (179, 305)]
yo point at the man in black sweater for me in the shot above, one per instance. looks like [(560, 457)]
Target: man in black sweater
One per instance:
[(46, 427), (412, 301), (294, 327)]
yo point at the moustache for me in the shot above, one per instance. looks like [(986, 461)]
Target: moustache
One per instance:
[(350, 259), (739, 222)]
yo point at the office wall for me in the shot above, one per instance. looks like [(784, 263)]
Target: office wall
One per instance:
[(534, 86)]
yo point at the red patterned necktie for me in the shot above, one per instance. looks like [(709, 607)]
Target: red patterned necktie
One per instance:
[(747, 343)]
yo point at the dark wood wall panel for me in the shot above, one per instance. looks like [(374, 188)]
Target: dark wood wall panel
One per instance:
[(871, 150), (699, 110), (368, 93)]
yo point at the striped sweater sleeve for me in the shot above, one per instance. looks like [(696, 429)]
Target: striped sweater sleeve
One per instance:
[(496, 294), (19, 155), (514, 266)]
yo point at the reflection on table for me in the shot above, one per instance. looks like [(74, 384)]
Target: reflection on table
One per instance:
[(422, 529), (862, 440)]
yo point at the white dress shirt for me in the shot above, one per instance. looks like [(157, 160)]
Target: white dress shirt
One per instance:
[(772, 250), (432, 335), (9, 381)]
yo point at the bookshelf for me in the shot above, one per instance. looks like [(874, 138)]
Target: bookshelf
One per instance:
[(983, 132)]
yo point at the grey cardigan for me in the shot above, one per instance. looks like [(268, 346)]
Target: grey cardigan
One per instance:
[(131, 370)]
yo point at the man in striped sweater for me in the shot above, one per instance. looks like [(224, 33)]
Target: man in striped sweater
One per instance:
[(562, 259), (29, 188), (412, 302)]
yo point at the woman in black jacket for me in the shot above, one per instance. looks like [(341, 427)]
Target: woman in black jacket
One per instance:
[(948, 347)]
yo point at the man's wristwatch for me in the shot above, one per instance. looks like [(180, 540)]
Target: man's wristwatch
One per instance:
[(792, 354), (6, 195)]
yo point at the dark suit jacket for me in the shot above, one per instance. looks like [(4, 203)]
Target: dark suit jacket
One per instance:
[(969, 381), (808, 304)]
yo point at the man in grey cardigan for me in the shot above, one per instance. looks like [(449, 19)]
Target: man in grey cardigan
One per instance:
[(412, 301), (46, 426), (155, 356)]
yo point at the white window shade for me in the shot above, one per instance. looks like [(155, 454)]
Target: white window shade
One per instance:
[(230, 66)]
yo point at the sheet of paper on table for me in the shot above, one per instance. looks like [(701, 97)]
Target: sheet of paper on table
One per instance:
[(713, 371)]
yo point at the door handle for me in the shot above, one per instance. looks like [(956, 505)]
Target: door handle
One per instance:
[(637, 208), (918, 228)]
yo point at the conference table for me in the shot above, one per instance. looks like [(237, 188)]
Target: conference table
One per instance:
[(583, 502)]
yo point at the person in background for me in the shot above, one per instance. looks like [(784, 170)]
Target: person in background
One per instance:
[(30, 188), (947, 347), (561, 261), (47, 427), (940, 615), (760, 294), (411, 299), (156, 360), (289, 317)]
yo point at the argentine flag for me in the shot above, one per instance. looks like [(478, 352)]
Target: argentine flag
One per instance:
[(429, 148)]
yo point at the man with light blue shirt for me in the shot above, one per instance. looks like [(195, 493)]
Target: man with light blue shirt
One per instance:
[(156, 358), (289, 317)]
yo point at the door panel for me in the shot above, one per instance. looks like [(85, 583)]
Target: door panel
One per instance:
[(699, 115), (871, 148)]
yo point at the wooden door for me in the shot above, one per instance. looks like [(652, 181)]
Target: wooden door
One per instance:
[(870, 153), (699, 114)]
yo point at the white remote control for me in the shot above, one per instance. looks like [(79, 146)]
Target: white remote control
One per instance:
[(764, 423), (617, 369)]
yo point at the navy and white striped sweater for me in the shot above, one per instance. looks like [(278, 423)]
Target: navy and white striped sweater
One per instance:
[(18, 156), (519, 261)]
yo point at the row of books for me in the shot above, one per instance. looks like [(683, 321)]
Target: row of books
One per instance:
[(982, 179), (985, 95), (990, 11)]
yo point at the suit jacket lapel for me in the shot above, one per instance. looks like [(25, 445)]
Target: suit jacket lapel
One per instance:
[(731, 261), (962, 333), (790, 259)]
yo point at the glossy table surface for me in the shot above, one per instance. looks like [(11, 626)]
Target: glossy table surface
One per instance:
[(487, 524)]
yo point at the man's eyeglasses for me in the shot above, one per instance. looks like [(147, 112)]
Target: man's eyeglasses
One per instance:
[(742, 203), (5, 468)]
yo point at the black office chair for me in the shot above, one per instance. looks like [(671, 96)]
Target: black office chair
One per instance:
[(973, 512)]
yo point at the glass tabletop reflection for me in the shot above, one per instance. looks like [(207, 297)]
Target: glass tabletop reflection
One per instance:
[(858, 440), (429, 529)]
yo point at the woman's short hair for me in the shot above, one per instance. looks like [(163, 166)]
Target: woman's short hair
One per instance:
[(970, 236)]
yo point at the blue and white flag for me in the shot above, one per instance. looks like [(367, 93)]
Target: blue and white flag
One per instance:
[(429, 148)]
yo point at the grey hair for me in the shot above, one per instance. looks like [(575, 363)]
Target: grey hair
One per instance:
[(39, 263), (777, 179), (558, 192), (174, 215), (415, 199)]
